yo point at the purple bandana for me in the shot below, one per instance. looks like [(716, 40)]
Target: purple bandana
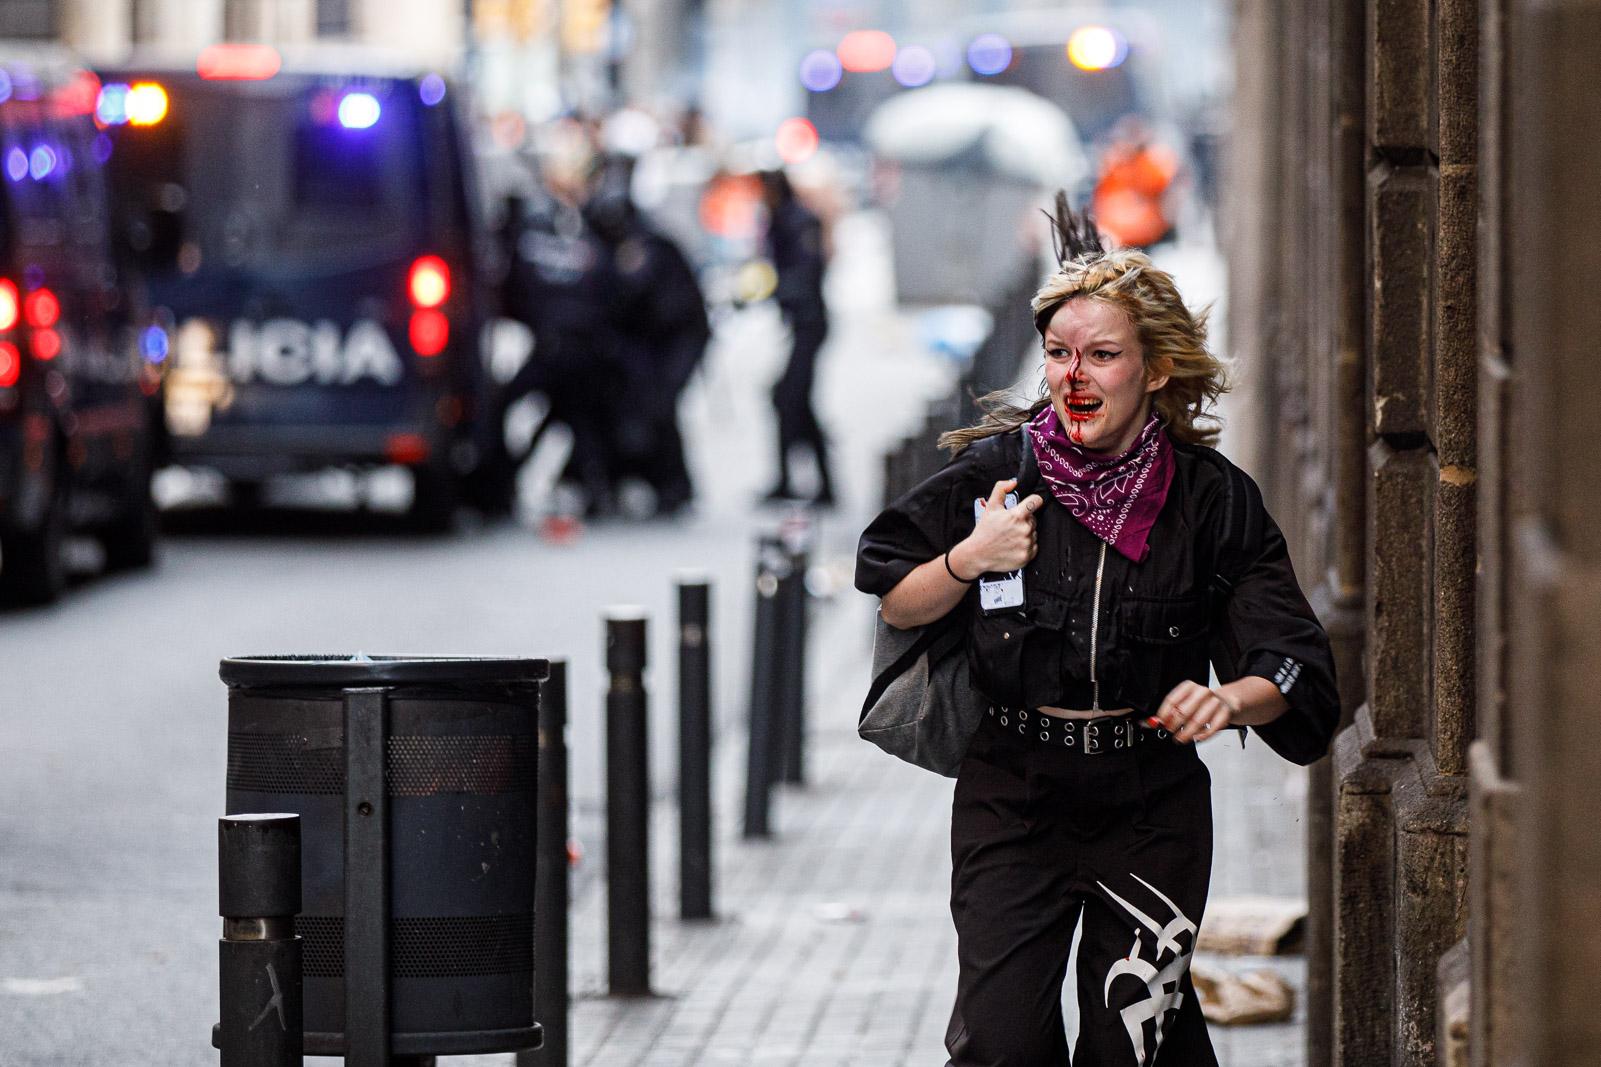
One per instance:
[(1117, 498)]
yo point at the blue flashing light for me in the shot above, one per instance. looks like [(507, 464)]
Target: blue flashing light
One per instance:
[(112, 106), (153, 343), (820, 70), (16, 164), (989, 53), (25, 86), (42, 162), (914, 65), (101, 148), (5, 87), (431, 90), (358, 111)]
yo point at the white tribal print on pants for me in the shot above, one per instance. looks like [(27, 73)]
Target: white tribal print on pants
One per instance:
[(1161, 980)]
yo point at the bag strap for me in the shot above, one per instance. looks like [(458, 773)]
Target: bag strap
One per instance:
[(1028, 475), (1028, 465)]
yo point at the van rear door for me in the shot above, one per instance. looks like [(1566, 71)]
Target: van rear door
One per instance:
[(280, 223)]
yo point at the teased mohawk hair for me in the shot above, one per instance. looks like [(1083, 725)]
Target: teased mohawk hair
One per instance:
[(1073, 234)]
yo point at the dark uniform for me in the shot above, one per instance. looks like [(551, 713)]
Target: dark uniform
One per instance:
[(1101, 821), (658, 320), (795, 240), (559, 285)]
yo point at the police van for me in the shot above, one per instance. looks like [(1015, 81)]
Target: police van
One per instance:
[(309, 230), (78, 434)]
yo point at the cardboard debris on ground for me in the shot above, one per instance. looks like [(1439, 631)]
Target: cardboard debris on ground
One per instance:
[(1253, 926), (1243, 999)]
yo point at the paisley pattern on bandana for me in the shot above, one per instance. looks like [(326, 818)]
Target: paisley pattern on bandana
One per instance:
[(1117, 498)]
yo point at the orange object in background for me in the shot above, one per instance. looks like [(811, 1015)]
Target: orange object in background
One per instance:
[(1128, 200), (730, 207)]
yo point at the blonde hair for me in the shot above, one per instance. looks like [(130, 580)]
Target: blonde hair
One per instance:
[(1172, 338)]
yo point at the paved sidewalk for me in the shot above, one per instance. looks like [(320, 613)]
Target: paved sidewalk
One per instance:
[(834, 943)]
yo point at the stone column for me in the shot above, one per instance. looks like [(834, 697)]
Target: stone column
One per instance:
[(1554, 638), (1493, 999)]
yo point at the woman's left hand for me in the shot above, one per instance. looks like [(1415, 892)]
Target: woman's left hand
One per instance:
[(1192, 712)]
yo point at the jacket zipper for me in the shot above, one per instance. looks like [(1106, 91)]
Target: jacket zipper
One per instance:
[(1095, 630)]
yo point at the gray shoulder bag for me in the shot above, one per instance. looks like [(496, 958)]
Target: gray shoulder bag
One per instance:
[(922, 706)]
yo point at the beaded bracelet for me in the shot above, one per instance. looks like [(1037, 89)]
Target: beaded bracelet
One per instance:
[(965, 581)]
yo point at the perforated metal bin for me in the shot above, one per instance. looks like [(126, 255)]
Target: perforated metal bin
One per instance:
[(451, 816)]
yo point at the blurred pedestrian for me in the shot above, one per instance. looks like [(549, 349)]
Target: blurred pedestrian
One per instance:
[(657, 316), (799, 256), (1090, 609), (559, 286)]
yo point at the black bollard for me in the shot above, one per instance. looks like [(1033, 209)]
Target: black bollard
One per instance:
[(551, 874), (791, 672), (258, 863), (694, 748), (772, 565), (627, 806)]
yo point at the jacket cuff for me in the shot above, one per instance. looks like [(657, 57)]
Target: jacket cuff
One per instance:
[(1283, 671)]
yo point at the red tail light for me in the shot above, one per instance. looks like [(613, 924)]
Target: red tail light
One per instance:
[(429, 282), (46, 344), (406, 449), (10, 364), (9, 305), (41, 308), (430, 331)]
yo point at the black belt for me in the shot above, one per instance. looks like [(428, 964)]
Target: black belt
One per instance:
[(1089, 737)]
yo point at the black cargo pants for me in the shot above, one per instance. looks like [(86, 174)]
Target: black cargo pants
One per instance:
[(1043, 836)]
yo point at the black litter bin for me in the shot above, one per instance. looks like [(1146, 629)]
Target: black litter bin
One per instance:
[(437, 786)]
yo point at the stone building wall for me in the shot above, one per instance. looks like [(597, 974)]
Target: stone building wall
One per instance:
[(1412, 290)]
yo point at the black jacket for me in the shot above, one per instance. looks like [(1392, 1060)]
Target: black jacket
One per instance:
[(1213, 589), (795, 240)]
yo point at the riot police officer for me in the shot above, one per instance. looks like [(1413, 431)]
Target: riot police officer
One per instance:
[(559, 286), (795, 244), (658, 322)]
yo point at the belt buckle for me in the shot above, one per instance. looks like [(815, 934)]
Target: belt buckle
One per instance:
[(1092, 739)]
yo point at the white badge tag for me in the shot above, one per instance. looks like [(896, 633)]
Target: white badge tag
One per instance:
[(1003, 592)]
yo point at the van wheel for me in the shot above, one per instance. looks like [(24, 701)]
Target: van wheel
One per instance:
[(434, 497), (33, 563), (130, 539)]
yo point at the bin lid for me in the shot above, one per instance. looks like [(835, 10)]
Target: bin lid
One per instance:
[(361, 669)]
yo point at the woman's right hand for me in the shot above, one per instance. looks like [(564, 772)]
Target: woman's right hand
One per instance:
[(1003, 538)]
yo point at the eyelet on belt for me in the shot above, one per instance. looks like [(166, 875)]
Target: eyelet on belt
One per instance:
[(1045, 735)]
